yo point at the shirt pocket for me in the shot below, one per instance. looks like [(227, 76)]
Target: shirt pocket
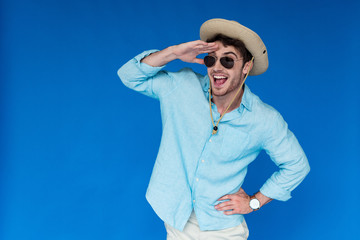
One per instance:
[(235, 144)]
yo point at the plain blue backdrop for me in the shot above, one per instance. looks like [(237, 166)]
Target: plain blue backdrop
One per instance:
[(77, 147)]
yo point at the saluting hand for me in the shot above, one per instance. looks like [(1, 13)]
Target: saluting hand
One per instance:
[(186, 52), (189, 51)]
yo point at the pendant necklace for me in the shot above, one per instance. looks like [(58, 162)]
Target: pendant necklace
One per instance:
[(215, 126)]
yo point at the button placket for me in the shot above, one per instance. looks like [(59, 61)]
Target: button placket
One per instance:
[(202, 161)]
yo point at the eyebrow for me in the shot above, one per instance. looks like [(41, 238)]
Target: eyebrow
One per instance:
[(212, 53), (231, 53)]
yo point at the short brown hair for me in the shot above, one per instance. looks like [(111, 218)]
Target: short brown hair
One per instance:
[(238, 44)]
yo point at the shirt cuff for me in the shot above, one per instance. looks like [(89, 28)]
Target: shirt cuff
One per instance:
[(146, 68), (272, 190)]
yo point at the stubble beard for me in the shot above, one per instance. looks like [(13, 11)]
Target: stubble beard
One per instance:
[(231, 90)]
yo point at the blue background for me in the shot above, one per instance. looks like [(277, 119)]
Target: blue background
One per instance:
[(77, 147)]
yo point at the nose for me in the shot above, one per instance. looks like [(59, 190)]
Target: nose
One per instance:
[(217, 66)]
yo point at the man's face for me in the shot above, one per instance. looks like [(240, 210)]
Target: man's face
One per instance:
[(224, 81)]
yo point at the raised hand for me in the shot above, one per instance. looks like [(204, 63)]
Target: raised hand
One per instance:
[(189, 51), (186, 52)]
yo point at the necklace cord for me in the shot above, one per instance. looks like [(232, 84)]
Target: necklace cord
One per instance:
[(222, 115)]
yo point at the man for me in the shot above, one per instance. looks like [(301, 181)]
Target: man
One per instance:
[(213, 128)]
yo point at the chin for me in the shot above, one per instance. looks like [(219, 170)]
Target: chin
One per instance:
[(218, 92)]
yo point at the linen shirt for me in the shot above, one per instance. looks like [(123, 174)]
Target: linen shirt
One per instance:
[(194, 168)]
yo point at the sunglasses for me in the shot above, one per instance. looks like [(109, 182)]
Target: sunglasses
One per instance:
[(227, 62)]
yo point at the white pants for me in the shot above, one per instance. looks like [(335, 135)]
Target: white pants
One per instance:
[(193, 232)]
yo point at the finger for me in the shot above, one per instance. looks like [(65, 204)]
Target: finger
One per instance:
[(212, 43), (225, 208), (200, 45), (201, 48), (201, 42), (199, 61), (205, 47), (206, 51), (230, 212), (225, 197), (224, 204), (210, 50)]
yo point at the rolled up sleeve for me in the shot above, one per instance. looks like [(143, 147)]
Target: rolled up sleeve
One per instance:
[(146, 79), (285, 151)]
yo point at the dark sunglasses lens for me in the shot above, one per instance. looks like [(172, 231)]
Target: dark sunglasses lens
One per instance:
[(227, 62), (209, 61)]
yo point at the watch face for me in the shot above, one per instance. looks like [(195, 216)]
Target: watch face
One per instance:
[(254, 203)]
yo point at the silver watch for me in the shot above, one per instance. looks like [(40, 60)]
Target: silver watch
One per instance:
[(254, 203)]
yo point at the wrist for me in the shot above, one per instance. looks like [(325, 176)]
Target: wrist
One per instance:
[(171, 53), (262, 198), (254, 203), (160, 58)]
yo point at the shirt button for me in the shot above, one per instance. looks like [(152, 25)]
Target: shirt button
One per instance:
[(210, 140), (194, 201), (197, 179), (202, 160)]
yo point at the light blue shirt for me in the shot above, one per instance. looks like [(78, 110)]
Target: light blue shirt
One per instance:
[(195, 168)]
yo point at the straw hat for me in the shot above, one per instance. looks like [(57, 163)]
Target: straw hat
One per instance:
[(235, 30)]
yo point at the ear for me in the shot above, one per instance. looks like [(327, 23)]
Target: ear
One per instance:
[(247, 67)]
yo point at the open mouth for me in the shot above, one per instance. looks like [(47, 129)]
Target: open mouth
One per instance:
[(219, 80)]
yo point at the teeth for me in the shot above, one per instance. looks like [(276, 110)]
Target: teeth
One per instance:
[(219, 77)]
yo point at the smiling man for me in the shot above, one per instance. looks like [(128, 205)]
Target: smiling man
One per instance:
[(213, 128)]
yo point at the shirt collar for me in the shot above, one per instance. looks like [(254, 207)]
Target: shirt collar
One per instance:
[(246, 100)]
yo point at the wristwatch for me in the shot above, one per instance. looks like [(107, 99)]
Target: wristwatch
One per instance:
[(254, 203)]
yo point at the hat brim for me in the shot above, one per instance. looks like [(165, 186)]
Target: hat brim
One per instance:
[(232, 29)]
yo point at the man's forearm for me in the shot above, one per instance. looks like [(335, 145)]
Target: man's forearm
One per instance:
[(262, 198), (186, 52), (160, 58)]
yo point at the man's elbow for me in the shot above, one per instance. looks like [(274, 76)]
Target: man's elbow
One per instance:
[(124, 76), (305, 169)]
